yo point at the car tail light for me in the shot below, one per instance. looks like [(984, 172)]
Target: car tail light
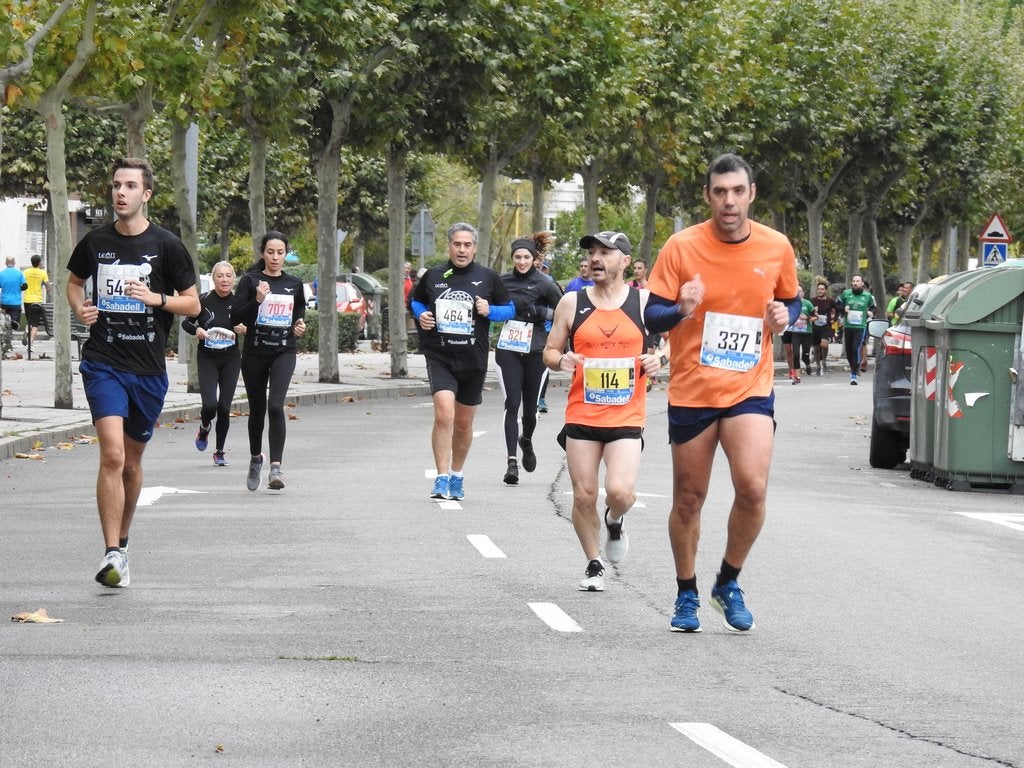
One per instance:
[(896, 341)]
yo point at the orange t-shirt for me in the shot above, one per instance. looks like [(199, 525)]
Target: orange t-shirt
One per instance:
[(607, 389), (722, 354)]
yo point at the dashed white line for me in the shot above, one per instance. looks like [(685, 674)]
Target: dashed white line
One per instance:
[(149, 496), (722, 745), (555, 617), (484, 545)]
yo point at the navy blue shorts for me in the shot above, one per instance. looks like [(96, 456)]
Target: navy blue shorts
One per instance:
[(684, 423), (137, 398)]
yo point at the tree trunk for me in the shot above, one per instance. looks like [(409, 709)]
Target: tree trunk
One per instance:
[(815, 214), (485, 213), (187, 233), (225, 236), (654, 182), (538, 185), (924, 257), (948, 246), (257, 187), (358, 252), (327, 171), (396, 158), (904, 252), (591, 173), (56, 174), (135, 118), (964, 251), (876, 274), (854, 227)]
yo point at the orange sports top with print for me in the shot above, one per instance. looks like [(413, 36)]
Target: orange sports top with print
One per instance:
[(722, 354), (607, 389)]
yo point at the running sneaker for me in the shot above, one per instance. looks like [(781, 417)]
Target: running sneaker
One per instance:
[(252, 480), (125, 575), (440, 487), (728, 599), (529, 457), (618, 542), (542, 407), (809, 371), (110, 572), (455, 487), (202, 438), (685, 617), (276, 477), (594, 580), (853, 379), (219, 459), (512, 473)]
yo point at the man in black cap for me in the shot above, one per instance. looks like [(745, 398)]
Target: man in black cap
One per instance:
[(606, 408)]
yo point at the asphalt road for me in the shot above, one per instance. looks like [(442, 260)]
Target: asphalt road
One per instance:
[(351, 621)]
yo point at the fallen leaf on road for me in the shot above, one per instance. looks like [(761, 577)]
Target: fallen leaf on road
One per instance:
[(36, 456), (219, 748), (39, 617), (292, 417), (64, 447), (86, 439), (8, 392), (37, 445)]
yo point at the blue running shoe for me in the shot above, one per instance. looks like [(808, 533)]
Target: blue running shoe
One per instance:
[(440, 487), (685, 618), (455, 488), (202, 437), (728, 599)]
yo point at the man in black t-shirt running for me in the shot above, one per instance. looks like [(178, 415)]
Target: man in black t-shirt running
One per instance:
[(141, 276)]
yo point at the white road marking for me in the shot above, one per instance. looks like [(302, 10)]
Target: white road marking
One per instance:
[(448, 504), (555, 617), (484, 545), (722, 745), (148, 496), (1013, 520), (482, 432)]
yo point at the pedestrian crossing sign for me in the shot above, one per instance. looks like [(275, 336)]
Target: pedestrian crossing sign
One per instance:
[(993, 254)]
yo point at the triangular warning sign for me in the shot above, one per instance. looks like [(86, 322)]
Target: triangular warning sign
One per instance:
[(995, 230)]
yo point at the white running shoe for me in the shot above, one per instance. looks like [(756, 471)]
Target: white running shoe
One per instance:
[(111, 566), (618, 542), (594, 580)]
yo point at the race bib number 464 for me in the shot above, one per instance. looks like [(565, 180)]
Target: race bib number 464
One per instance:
[(455, 317), (732, 342)]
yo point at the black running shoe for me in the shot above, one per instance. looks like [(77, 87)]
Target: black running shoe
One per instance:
[(529, 457)]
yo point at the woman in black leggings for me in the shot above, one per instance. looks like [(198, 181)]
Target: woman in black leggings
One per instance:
[(218, 358), (271, 304), (521, 369)]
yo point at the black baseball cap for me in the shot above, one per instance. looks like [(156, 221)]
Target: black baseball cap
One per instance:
[(609, 239)]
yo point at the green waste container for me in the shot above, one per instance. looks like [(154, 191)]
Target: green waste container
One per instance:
[(976, 325), (375, 293), (921, 306)]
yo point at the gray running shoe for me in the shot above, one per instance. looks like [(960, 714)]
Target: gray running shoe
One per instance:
[(252, 480), (276, 477), (110, 572)]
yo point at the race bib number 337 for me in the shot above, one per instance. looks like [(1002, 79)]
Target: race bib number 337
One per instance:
[(732, 342)]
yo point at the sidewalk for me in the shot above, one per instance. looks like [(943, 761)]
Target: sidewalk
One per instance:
[(28, 417)]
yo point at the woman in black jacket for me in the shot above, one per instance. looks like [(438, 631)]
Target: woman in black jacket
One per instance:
[(521, 370)]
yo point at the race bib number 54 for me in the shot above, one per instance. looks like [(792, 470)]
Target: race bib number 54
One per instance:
[(732, 342)]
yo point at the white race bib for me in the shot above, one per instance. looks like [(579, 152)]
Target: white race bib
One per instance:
[(276, 311), (219, 338), (732, 342), (516, 336), (110, 280), (855, 317), (609, 380), (455, 317)]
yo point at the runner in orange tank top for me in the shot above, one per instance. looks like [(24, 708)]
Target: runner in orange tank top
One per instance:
[(609, 358)]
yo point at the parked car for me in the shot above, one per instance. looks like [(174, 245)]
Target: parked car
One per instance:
[(890, 417), (348, 298)]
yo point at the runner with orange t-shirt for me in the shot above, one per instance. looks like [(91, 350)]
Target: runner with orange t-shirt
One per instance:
[(721, 288), (606, 411)]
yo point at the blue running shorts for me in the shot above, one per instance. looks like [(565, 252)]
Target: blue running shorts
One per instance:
[(137, 398), (685, 423)]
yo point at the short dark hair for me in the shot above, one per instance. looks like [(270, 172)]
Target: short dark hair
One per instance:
[(137, 163), (728, 163), (36, 260)]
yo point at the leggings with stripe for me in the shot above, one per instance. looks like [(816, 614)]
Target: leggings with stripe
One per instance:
[(521, 377), (853, 340)]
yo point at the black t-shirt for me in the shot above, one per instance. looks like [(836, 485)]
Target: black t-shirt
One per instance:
[(128, 335), (215, 313), (270, 325), (460, 337)]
